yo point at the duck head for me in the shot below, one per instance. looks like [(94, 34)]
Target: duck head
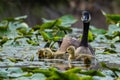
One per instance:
[(86, 17)]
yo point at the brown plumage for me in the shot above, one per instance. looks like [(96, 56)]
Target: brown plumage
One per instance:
[(79, 49)]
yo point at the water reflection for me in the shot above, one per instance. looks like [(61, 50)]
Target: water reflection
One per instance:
[(61, 64)]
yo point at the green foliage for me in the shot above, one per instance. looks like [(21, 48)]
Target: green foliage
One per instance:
[(71, 74), (54, 30), (109, 51), (113, 18), (51, 30), (109, 37), (93, 73), (16, 30), (113, 69)]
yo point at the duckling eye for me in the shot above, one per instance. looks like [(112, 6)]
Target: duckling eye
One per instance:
[(68, 49)]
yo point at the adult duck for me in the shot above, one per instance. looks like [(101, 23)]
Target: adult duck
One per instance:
[(84, 47), (79, 45)]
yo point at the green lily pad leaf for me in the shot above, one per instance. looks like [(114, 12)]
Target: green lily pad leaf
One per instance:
[(38, 76), (93, 73), (22, 78), (90, 36), (112, 32), (3, 40), (65, 29), (3, 73), (118, 78), (32, 42), (113, 18), (86, 78), (60, 34), (57, 38), (109, 51), (11, 19), (68, 20), (112, 46), (15, 70), (50, 25), (101, 38), (72, 76), (97, 31), (74, 70), (103, 65), (46, 36), (113, 69), (47, 73)]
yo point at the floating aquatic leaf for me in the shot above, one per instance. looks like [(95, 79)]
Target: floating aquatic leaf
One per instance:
[(113, 69), (50, 25), (90, 36), (97, 31), (118, 78), (74, 70), (109, 51), (68, 20), (37, 76), (86, 78), (3, 40), (46, 36), (15, 60), (112, 46), (113, 18), (93, 73)]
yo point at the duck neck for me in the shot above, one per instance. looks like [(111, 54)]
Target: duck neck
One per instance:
[(84, 41)]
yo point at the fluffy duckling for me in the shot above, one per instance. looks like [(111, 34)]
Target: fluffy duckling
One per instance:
[(49, 54), (71, 51), (87, 58), (40, 53)]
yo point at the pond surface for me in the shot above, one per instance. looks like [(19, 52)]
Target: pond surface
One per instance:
[(25, 56)]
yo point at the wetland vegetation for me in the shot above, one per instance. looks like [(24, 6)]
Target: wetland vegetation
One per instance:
[(20, 43)]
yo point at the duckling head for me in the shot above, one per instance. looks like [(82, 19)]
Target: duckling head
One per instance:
[(40, 53), (71, 50), (86, 17), (48, 53)]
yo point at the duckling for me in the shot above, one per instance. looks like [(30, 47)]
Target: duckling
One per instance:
[(71, 51), (87, 58), (40, 53), (49, 54)]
